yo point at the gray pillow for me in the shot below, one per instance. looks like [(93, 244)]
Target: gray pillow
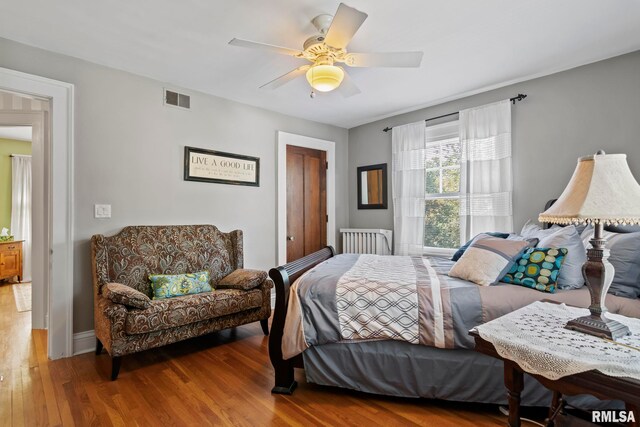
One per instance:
[(624, 250), (571, 272), (533, 241), (532, 230)]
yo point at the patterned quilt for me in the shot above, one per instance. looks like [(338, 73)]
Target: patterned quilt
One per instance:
[(371, 297)]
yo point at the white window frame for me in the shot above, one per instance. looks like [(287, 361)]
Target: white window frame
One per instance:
[(430, 250)]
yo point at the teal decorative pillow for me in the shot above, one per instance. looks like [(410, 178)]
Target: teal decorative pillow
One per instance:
[(175, 285), (538, 268)]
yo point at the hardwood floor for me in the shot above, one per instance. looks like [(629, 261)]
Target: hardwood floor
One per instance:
[(220, 379)]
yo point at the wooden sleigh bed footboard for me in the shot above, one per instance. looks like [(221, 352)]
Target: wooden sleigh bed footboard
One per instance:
[(283, 277)]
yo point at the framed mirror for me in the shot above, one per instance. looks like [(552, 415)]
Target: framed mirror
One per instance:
[(372, 187)]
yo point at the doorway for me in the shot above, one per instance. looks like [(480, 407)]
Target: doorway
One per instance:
[(25, 210), (54, 204), (306, 201), (328, 148), (15, 211)]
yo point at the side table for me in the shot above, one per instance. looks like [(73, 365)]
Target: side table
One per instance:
[(11, 259), (590, 382), (534, 328)]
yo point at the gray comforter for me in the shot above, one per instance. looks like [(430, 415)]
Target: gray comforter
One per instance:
[(372, 297), (358, 298)]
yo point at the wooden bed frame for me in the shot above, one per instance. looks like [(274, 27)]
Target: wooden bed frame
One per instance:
[(283, 277)]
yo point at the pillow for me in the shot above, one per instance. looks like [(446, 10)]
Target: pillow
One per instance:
[(538, 268), (243, 279), (487, 260), (123, 294), (175, 285), (571, 273), (532, 230), (617, 228), (531, 240), (623, 255), (456, 256)]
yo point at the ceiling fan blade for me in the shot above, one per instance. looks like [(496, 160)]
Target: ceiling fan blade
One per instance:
[(345, 23), (390, 59), (286, 78), (348, 88), (264, 46)]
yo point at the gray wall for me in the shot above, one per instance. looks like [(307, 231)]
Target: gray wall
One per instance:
[(566, 115), (129, 153)]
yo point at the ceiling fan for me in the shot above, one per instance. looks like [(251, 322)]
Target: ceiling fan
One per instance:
[(327, 49)]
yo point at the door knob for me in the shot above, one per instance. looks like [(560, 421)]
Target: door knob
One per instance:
[(291, 238)]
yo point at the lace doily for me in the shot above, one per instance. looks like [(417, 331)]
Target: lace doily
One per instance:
[(535, 338)]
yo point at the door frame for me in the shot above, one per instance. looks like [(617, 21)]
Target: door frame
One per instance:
[(329, 147), (60, 183)]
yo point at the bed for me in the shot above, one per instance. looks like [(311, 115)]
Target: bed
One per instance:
[(444, 366)]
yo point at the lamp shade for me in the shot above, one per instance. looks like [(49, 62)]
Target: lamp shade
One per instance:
[(325, 78), (601, 190)]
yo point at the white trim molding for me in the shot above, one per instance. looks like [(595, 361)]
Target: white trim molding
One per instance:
[(60, 286), (285, 139), (84, 342)]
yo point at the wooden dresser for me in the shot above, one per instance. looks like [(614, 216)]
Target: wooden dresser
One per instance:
[(11, 260)]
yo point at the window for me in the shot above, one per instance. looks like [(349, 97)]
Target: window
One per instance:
[(442, 186)]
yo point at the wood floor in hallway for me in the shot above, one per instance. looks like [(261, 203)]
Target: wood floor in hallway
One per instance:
[(220, 379)]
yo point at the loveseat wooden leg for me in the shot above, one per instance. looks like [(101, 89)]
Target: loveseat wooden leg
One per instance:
[(98, 346), (115, 367), (265, 326)]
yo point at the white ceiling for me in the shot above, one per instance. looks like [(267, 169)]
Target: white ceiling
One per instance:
[(468, 45), (20, 133)]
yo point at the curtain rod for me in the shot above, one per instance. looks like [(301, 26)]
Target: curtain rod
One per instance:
[(19, 155), (519, 97)]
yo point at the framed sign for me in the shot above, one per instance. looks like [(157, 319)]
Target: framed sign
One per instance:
[(224, 168)]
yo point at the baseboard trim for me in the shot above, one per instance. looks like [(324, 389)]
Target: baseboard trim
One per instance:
[(84, 342)]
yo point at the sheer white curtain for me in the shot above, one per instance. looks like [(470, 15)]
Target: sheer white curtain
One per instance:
[(408, 181), (21, 209), (486, 183)]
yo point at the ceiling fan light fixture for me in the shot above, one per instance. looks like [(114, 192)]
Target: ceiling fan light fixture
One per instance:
[(329, 47), (325, 78)]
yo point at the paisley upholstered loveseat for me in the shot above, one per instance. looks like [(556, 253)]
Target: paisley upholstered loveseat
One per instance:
[(128, 320)]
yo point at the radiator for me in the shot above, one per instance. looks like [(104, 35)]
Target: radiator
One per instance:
[(366, 241)]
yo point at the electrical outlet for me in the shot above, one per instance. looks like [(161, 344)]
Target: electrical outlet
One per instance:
[(102, 211)]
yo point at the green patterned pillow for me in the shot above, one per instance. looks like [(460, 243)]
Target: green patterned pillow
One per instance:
[(175, 285), (538, 268)]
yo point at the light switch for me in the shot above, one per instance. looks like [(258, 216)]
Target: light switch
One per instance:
[(102, 211)]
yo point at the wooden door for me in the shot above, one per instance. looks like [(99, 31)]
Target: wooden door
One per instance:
[(306, 201)]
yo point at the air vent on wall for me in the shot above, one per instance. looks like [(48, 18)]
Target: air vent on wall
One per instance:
[(177, 99)]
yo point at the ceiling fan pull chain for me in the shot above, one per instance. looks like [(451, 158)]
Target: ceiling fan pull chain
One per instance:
[(312, 94)]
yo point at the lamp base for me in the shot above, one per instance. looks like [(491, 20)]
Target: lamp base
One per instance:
[(599, 326), (598, 274)]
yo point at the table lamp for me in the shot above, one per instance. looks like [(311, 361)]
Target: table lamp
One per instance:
[(602, 191)]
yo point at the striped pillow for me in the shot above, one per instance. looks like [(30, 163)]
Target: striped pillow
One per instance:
[(487, 260)]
